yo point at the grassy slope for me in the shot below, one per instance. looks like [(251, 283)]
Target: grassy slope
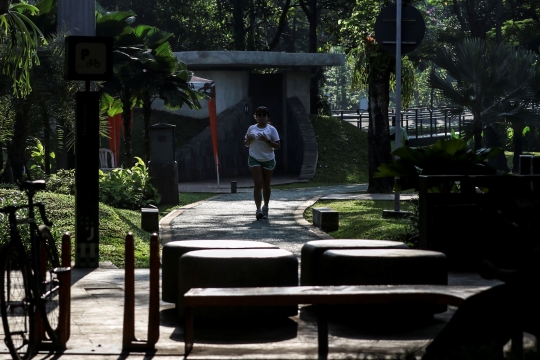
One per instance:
[(114, 224), (342, 154)]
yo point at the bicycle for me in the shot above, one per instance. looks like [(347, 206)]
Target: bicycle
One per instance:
[(29, 278)]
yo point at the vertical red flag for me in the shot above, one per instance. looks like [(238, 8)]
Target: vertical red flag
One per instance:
[(115, 124)]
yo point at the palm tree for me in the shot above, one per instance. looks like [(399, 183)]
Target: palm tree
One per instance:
[(168, 81), (495, 83), (20, 35), (144, 68)]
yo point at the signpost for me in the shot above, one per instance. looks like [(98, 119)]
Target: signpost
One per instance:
[(88, 58), (392, 17)]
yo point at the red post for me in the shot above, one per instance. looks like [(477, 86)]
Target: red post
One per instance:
[(65, 292), (153, 311), (38, 316), (129, 341), (129, 293)]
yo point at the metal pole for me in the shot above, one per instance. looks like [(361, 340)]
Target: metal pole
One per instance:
[(398, 88)]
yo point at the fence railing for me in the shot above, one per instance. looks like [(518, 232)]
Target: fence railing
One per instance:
[(419, 122)]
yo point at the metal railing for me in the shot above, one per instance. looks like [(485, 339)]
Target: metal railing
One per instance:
[(418, 122)]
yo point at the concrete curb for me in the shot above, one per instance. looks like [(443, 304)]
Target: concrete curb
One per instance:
[(299, 218)]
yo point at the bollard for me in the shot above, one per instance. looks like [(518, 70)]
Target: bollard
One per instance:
[(153, 311), (233, 187), (65, 292), (129, 341), (64, 298)]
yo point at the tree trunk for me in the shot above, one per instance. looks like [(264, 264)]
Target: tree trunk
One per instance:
[(378, 129), (491, 139), (17, 148), (46, 138), (238, 25), (147, 113), (126, 107), (517, 142), (477, 131), (4, 6)]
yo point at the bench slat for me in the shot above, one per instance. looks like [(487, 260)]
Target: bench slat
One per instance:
[(320, 295), (364, 294)]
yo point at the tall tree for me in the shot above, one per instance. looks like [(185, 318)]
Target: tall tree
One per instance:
[(21, 37), (373, 71)]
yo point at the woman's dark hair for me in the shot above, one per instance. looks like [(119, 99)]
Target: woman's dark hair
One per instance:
[(262, 109)]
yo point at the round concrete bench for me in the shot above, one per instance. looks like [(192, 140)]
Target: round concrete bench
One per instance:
[(386, 267), (173, 250), (237, 268), (312, 252)]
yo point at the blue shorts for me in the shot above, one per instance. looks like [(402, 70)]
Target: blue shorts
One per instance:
[(268, 165)]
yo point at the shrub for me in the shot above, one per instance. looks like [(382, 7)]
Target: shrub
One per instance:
[(128, 188), (445, 157), (63, 182)]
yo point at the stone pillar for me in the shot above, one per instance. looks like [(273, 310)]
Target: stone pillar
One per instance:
[(78, 17)]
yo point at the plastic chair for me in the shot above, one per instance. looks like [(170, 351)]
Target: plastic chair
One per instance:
[(106, 156)]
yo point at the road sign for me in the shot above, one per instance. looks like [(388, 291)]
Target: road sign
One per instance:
[(413, 28), (89, 58)]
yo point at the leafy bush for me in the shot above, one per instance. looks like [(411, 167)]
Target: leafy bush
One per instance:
[(63, 182), (445, 157), (128, 188), (37, 154)]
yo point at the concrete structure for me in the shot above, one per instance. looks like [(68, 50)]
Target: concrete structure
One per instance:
[(231, 71), (239, 89)]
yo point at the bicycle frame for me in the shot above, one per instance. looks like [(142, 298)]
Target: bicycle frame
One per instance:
[(14, 222)]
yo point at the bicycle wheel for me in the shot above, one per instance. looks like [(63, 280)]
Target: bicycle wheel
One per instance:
[(16, 303), (49, 288)]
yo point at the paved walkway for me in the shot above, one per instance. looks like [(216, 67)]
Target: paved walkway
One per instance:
[(98, 297)]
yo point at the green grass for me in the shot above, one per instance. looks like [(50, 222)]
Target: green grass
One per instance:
[(114, 224), (362, 219), (343, 156)]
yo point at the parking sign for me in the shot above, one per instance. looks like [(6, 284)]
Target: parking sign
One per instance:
[(89, 58)]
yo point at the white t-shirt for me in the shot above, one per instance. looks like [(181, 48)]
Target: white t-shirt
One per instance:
[(260, 150)]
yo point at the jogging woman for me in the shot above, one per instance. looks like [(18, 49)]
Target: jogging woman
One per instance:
[(262, 139)]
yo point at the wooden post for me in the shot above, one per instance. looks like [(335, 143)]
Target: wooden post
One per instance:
[(129, 293), (65, 292), (153, 313), (129, 341)]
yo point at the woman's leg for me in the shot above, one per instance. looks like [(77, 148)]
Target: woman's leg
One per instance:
[(257, 174), (267, 191)]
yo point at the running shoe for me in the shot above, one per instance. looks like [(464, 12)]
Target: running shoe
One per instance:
[(259, 214), (265, 212)]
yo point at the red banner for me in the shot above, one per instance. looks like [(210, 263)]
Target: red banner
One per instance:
[(116, 127)]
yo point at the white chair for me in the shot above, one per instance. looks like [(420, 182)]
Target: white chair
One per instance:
[(105, 157)]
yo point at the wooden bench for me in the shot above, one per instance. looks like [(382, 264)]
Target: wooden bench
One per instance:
[(320, 296)]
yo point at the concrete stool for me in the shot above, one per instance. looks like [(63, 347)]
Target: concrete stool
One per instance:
[(173, 250), (325, 219), (386, 267), (312, 252), (237, 268)]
